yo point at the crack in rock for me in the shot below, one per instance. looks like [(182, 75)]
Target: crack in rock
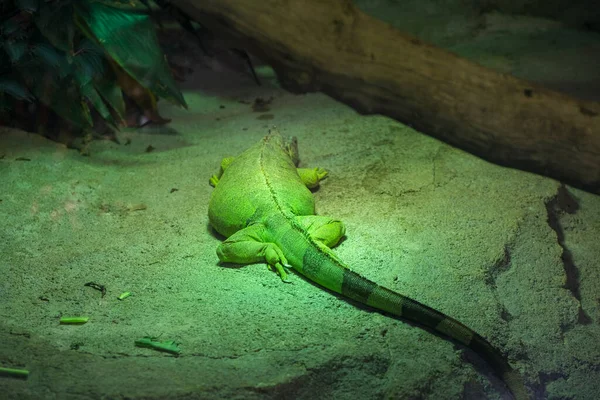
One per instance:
[(499, 267), (564, 203)]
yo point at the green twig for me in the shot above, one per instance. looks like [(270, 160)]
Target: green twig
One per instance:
[(168, 346), (74, 320), (124, 295), (16, 373)]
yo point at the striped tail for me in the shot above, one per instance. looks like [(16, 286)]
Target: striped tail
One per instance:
[(319, 264), (363, 290)]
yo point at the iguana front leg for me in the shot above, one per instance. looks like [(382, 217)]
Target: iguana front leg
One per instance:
[(311, 176), (248, 246), (214, 180)]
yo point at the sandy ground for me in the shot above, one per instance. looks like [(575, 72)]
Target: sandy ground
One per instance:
[(511, 254)]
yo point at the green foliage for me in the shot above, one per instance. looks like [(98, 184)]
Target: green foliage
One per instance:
[(59, 52), (130, 39)]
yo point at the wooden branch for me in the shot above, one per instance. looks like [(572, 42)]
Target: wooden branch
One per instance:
[(331, 46)]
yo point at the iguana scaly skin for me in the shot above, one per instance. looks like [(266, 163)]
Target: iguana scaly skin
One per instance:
[(262, 204)]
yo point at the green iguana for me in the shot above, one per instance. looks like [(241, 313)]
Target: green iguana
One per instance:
[(262, 204)]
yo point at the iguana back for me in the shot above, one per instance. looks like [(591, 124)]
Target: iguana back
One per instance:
[(259, 181)]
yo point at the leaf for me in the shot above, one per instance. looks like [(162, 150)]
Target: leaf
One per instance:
[(112, 94), (87, 45), (56, 23), (63, 97), (124, 4), (45, 57), (89, 59), (131, 41), (29, 6), (90, 93), (16, 90), (48, 54), (9, 26), (146, 3), (15, 49)]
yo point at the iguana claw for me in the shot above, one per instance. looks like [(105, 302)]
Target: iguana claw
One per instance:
[(282, 272), (321, 173)]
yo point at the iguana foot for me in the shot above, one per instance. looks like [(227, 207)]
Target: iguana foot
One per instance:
[(245, 247), (311, 176), (275, 259), (281, 271), (214, 180)]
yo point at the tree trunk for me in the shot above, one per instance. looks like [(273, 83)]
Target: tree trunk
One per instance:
[(331, 46)]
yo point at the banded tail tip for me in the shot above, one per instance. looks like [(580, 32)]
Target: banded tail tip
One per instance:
[(516, 384)]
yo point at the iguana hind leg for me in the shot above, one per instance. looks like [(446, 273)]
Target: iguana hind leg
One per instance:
[(322, 229), (248, 246)]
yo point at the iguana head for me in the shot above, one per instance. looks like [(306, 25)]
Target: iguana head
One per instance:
[(289, 145)]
